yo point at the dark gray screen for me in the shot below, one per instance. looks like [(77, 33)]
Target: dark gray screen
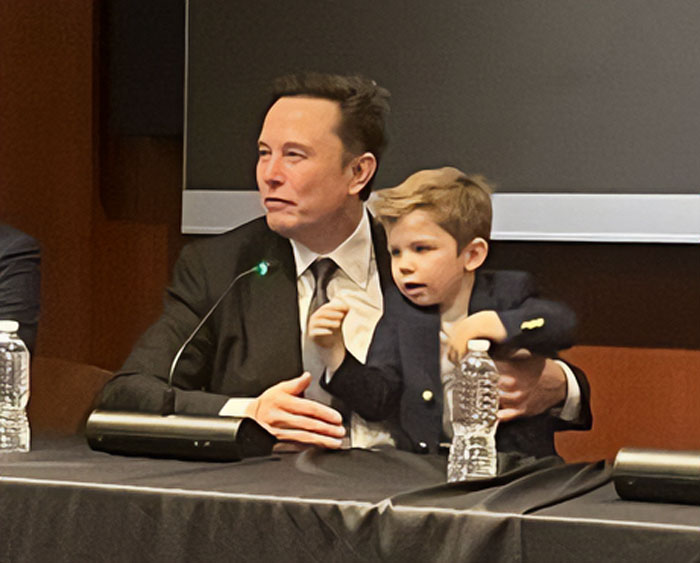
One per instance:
[(538, 95)]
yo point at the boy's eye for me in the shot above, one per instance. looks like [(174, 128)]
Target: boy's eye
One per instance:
[(394, 252), (423, 248)]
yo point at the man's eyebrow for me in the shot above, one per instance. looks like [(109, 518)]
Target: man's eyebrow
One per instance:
[(298, 145)]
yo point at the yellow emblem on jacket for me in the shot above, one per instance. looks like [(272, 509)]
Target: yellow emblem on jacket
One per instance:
[(532, 324)]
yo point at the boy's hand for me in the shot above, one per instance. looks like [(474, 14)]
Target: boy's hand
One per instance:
[(484, 324), (324, 330)]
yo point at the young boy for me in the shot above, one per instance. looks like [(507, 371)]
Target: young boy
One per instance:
[(438, 223)]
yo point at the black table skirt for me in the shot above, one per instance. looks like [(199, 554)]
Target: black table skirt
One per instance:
[(65, 502)]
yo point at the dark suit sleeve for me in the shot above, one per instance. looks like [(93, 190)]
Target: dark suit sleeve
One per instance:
[(373, 390), (584, 420), (539, 325), (142, 380), (20, 283)]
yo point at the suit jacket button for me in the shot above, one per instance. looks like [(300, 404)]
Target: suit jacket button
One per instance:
[(422, 447), (427, 396)]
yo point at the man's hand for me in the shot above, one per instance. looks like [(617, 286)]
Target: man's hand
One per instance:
[(529, 385), (324, 330), (290, 417)]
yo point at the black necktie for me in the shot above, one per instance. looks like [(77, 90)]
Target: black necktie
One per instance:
[(322, 271)]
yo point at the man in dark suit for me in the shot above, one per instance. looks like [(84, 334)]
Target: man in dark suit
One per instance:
[(19, 281), (319, 148)]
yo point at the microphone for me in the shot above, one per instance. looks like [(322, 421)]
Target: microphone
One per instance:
[(657, 475), (191, 437), (262, 268)]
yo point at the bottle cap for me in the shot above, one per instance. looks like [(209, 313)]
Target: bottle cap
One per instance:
[(478, 345), (8, 326)]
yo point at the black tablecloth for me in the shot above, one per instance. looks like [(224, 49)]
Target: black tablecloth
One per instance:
[(64, 502)]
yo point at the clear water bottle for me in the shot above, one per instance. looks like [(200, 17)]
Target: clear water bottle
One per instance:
[(474, 415), (14, 390)]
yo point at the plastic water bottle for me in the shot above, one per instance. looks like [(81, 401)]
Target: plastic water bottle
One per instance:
[(14, 390), (474, 415)]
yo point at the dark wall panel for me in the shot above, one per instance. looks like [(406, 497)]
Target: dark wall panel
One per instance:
[(540, 95), (143, 50), (643, 295)]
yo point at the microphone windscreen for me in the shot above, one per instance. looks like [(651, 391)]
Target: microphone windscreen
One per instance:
[(264, 267), (657, 475), (205, 438)]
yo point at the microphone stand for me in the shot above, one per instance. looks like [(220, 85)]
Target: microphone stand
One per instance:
[(170, 435)]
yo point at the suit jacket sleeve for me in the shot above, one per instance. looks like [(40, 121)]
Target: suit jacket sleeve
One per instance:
[(584, 420), (249, 343), (373, 390), (20, 282), (539, 325), (141, 383)]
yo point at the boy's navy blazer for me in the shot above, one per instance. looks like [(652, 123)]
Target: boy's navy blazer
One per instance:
[(402, 377)]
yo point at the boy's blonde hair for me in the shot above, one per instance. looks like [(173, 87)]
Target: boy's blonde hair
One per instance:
[(459, 203)]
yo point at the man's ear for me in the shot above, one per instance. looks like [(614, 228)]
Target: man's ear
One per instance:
[(475, 253), (363, 168)]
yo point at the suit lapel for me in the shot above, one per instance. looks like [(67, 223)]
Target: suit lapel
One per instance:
[(420, 345), (420, 336), (381, 254), (272, 318)]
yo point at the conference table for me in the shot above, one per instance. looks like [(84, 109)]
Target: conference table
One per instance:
[(65, 502)]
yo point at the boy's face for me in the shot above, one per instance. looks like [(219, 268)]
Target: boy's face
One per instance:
[(424, 261)]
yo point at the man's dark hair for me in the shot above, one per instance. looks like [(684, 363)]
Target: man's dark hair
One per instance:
[(363, 107)]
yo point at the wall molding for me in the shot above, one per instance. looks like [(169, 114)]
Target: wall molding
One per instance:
[(635, 218)]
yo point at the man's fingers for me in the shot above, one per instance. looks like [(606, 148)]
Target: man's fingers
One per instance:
[(308, 408), (511, 399), (308, 438), (306, 416), (507, 383), (280, 407), (288, 421), (504, 415)]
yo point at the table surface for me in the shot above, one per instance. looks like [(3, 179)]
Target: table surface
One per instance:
[(66, 502)]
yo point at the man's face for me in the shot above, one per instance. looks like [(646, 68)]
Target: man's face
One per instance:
[(424, 260), (303, 184)]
